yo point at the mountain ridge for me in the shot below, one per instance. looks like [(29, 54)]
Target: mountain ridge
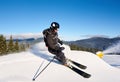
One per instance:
[(96, 42)]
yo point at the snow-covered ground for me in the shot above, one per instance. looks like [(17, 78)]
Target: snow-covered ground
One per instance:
[(21, 67), (113, 60)]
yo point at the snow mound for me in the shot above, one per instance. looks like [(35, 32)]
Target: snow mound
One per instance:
[(21, 67)]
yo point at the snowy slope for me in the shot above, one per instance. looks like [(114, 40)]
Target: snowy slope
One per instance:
[(113, 60), (21, 67)]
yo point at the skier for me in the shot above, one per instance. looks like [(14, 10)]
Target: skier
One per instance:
[(53, 42)]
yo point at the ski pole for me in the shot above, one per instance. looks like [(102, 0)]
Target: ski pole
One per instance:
[(43, 68), (38, 69)]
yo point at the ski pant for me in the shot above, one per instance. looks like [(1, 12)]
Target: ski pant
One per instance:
[(60, 55)]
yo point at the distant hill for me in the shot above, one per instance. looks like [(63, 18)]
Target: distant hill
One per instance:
[(96, 42), (29, 40)]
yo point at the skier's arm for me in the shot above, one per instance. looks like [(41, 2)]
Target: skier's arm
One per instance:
[(45, 35), (61, 42)]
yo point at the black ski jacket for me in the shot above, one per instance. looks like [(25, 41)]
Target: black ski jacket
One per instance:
[(51, 39)]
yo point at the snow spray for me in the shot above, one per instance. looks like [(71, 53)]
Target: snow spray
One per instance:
[(114, 49)]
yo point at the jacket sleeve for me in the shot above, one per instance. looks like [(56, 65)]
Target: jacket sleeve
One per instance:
[(45, 34), (61, 42)]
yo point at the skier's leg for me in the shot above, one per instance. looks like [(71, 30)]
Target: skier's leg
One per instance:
[(61, 57)]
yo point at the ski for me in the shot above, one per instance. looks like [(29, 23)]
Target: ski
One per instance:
[(75, 69), (77, 64), (73, 62), (78, 71)]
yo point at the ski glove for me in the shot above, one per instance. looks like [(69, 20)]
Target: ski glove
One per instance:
[(61, 42), (62, 48)]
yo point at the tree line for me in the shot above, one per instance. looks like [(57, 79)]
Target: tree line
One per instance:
[(11, 46), (75, 47)]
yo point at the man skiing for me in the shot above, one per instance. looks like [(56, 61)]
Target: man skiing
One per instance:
[(53, 42)]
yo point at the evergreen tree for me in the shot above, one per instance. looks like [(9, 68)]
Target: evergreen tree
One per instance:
[(7, 47), (75, 47), (16, 46), (11, 45), (3, 45)]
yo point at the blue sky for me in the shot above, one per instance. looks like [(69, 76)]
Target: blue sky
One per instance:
[(77, 18)]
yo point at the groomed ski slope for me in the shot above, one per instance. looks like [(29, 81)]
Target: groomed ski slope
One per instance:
[(21, 67)]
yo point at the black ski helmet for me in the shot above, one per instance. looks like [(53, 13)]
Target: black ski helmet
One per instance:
[(54, 25)]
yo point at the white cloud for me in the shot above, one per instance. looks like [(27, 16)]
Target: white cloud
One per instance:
[(93, 36), (25, 36)]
